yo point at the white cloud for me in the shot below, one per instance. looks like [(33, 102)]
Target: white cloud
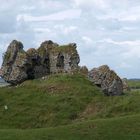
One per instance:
[(87, 40), (66, 29), (70, 29), (128, 43), (124, 65), (90, 3), (63, 15), (40, 30)]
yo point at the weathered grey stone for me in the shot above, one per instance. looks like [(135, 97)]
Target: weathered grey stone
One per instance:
[(49, 58), (14, 63), (125, 85), (107, 79)]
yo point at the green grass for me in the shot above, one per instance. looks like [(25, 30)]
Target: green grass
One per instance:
[(134, 84), (122, 128), (67, 107), (44, 103)]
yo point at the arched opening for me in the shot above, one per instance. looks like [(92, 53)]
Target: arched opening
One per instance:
[(60, 61)]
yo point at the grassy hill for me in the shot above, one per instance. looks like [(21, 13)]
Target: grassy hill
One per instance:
[(67, 107)]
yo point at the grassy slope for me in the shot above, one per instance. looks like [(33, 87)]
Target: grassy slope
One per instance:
[(67, 107), (43, 103), (122, 128)]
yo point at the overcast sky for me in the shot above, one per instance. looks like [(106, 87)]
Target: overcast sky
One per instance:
[(106, 31)]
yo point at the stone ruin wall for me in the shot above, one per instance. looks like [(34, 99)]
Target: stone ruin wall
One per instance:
[(19, 65)]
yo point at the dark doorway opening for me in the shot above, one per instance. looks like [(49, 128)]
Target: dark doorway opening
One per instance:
[(30, 73), (60, 61)]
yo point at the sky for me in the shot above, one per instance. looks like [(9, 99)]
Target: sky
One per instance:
[(105, 31)]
